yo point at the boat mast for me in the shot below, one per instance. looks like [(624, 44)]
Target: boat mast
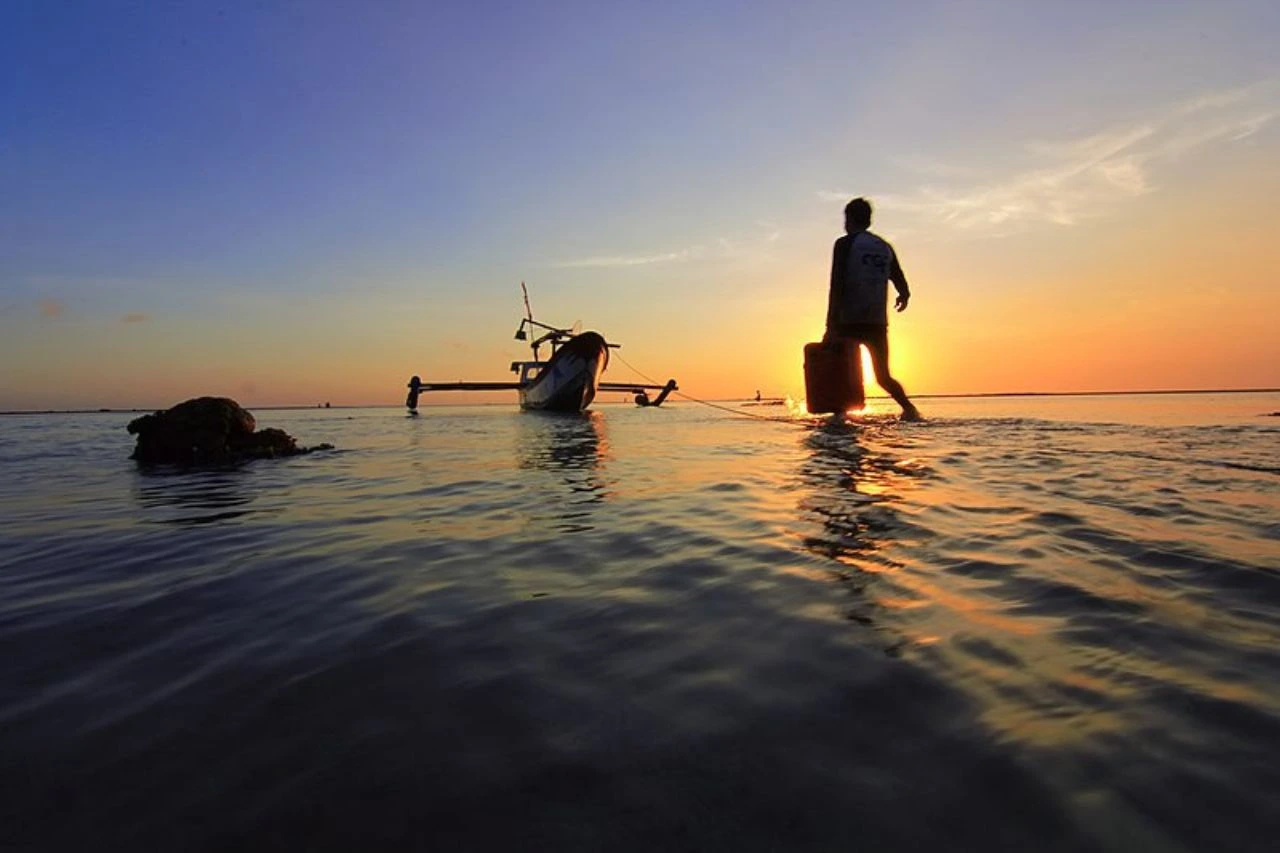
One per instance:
[(528, 312)]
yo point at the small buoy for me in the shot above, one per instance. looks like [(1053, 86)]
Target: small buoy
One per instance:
[(642, 399)]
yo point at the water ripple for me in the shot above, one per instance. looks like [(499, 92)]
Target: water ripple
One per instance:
[(645, 630)]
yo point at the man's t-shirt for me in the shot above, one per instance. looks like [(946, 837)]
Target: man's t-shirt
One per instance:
[(869, 264)]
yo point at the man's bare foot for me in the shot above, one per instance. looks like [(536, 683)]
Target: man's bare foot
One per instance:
[(911, 413)]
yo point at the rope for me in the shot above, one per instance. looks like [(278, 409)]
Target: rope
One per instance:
[(792, 421)]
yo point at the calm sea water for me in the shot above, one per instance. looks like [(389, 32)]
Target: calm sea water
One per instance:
[(1024, 624)]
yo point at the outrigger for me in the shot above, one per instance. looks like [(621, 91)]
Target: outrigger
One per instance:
[(566, 382)]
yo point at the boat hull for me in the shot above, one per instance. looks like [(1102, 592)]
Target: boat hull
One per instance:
[(569, 380)]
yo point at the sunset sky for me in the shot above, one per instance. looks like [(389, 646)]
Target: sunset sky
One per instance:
[(294, 202)]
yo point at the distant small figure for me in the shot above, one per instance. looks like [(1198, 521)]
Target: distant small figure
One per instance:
[(326, 404), (862, 265), (757, 395)]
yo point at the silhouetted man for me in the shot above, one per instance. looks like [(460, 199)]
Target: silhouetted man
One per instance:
[(862, 265)]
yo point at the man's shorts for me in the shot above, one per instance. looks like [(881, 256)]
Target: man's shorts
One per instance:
[(874, 335)]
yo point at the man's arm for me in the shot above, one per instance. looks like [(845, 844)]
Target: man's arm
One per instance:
[(899, 279), (839, 258)]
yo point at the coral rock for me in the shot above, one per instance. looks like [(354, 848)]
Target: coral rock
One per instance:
[(208, 431)]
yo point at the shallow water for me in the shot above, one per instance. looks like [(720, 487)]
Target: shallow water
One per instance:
[(1031, 623)]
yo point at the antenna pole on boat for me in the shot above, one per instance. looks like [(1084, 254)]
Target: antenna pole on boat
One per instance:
[(528, 313)]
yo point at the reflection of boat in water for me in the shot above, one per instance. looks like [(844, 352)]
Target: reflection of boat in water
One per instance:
[(565, 455), (566, 382), (561, 444)]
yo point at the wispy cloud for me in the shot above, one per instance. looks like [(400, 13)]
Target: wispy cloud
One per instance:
[(633, 260), (934, 168), (51, 309), (769, 231), (755, 246), (135, 317), (1061, 182)]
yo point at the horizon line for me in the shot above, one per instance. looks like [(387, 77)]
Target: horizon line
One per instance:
[(980, 394)]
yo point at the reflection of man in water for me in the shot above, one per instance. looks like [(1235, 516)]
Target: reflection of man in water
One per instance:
[(862, 265)]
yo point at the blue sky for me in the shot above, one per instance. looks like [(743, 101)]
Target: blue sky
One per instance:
[(246, 167)]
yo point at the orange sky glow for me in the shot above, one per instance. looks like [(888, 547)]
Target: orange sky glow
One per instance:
[(1090, 221)]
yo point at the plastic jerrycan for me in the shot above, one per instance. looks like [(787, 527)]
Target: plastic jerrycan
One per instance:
[(832, 377)]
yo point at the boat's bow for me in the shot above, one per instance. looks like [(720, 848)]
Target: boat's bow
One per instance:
[(568, 382)]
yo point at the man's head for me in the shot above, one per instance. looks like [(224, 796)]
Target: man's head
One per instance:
[(857, 215)]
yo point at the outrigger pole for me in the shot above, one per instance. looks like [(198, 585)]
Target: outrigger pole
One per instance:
[(639, 389), (417, 387)]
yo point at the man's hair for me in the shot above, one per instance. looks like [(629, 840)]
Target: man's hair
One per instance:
[(859, 210)]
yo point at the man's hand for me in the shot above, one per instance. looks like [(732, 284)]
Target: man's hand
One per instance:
[(901, 302)]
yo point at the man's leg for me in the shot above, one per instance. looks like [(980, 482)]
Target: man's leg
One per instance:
[(878, 346)]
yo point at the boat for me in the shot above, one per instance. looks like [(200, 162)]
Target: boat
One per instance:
[(568, 381), (766, 401)]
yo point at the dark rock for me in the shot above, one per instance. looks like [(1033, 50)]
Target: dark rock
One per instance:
[(208, 431)]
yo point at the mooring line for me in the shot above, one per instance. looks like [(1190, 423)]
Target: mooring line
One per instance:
[(806, 424)]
